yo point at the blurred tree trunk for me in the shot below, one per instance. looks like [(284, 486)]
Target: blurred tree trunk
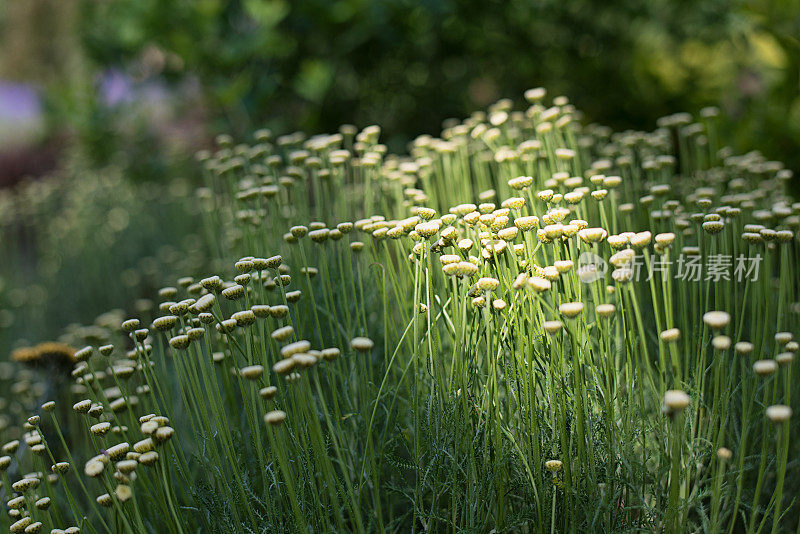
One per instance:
[(39, 41)]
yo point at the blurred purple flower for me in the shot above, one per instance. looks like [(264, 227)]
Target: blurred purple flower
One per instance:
[(115, 88), (19, 102)]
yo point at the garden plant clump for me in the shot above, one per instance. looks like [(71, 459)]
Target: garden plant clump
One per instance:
[(525, 325)]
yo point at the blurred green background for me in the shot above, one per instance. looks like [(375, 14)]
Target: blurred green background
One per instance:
[(129, 89), (205, 66)]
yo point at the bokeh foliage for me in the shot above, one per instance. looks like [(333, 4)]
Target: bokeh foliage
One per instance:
[(80, 243), (315, 64)]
